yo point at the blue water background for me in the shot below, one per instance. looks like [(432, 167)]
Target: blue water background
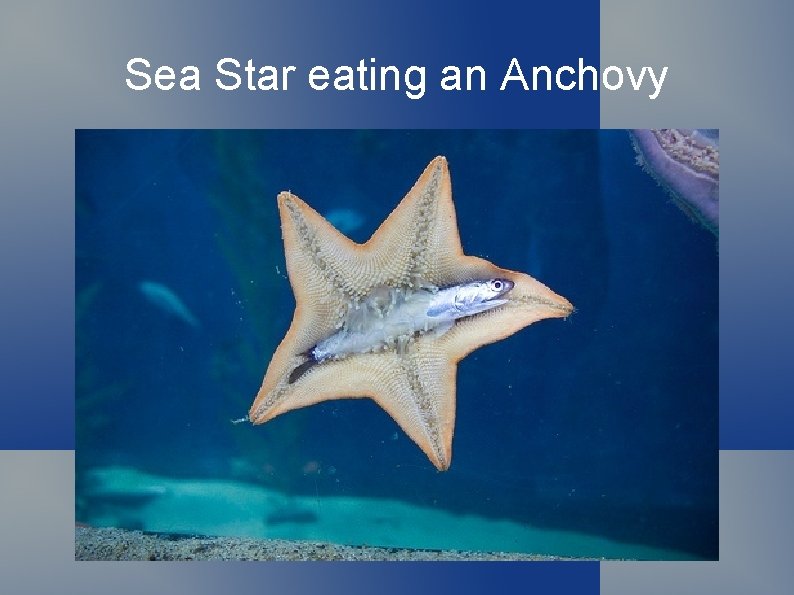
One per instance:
[(605, 423)]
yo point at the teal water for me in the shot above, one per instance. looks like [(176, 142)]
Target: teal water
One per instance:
[(593, 436)]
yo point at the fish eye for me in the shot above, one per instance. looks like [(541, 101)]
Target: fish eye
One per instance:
[(497, 285)]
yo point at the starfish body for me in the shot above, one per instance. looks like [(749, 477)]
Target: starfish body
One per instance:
[(418, 245)]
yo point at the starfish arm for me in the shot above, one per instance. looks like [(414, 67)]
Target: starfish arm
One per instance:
[(312, 247), (528, 302), (416, 389), (420, 237), (419, 394), (316, 254), (349, 378)]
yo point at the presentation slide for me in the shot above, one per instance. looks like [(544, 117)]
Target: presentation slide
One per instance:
[(396, 297)]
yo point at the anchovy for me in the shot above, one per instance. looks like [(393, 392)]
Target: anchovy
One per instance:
[(394, 316)]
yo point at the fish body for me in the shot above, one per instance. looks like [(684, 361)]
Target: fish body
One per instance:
[(166, 300), (392, 317)]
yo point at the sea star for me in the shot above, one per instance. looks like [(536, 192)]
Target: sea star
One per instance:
[(417, 245)]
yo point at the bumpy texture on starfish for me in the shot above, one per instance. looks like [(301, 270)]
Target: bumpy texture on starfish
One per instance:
[(418, 244)]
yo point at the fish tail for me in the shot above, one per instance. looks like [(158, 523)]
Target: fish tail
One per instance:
[(302, 368)]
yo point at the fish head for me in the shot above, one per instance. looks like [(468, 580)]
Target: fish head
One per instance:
[(495, 288), (480, 293)]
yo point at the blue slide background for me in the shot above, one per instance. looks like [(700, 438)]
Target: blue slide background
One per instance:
[(63, 68)]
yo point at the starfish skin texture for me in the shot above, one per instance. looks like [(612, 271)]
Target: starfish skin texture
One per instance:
[(418, 243)]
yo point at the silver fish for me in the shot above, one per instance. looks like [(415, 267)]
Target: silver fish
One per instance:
[(392, 317)]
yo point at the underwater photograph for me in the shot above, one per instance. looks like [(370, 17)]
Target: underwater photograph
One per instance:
[(397, 345)]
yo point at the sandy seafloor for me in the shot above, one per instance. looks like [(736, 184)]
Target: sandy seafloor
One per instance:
[(173, 519), (120, 544)]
